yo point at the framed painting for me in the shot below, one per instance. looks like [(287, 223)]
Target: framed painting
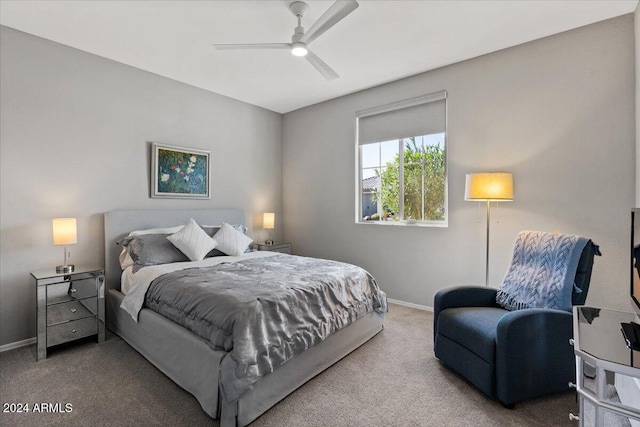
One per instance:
[(179, 172)]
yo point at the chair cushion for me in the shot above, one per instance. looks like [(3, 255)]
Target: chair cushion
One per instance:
[(472, 327)]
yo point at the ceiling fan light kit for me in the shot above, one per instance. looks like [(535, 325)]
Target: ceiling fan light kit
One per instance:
[(299, 41), (299, 49)]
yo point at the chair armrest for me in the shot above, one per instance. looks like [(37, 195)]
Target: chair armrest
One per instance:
[(533, 354), (462, 296), (522, 327)]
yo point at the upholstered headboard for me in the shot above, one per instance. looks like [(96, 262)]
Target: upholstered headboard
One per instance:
[(117, 224)]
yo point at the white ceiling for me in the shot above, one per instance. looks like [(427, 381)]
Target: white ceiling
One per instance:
[(379, 42)]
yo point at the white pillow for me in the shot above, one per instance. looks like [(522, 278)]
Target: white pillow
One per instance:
[(192, 241), (231, 241), (166, 230)]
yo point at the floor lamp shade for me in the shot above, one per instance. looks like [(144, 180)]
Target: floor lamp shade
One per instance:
[(489, 186), (65, 232)]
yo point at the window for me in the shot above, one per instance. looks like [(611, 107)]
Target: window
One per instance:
[(402, 176)]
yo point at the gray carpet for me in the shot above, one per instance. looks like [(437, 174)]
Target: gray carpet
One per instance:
[(393, 380)]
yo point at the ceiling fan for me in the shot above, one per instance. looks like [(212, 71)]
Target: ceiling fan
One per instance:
[(300, 40)]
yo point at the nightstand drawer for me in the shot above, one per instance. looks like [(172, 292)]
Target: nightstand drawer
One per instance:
[(67, 277), (70, 331), (72, 310), (70, 291)]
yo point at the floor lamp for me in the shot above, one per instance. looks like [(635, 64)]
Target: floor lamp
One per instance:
[(489, 187)]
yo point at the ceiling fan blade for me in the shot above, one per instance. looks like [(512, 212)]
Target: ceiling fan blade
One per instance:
[(336, 13), (321, 66), (253, 46)]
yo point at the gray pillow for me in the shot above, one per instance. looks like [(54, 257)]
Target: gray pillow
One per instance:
[(152, 249)]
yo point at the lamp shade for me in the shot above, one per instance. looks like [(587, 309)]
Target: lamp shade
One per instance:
[(65, 231), (489, 186), (268, 220)]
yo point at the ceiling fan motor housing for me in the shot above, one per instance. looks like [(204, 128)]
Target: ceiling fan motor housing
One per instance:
[(297, 35)]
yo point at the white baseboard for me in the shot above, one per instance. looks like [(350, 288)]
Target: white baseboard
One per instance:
[(17, 344), (410, 304), (33, 340)]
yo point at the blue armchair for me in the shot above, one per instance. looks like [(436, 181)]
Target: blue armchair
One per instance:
[(510, 355)]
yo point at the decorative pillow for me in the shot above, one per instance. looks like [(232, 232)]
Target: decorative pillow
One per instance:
[(192, 241), (542, 271), (151, 249), (231, 241), (211, 230)]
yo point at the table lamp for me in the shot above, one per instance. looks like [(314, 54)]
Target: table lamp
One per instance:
[(65, 232), (268, 222), (489, 187)]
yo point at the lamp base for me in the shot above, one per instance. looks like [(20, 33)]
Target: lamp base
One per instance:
[(65, 268)]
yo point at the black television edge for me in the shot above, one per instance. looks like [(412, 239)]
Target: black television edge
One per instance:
[(635, 257)]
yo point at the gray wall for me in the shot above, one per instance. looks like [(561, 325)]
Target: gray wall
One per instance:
[(557, 112), (74, 142)]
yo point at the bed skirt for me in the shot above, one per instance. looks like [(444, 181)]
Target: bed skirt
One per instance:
[(175, 351)]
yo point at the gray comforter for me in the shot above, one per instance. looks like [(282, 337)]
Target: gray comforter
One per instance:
[(264, 311)]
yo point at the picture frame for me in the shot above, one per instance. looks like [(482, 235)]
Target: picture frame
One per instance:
[(180, 172)]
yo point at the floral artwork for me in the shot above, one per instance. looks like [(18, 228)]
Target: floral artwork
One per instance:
[(180, 172)]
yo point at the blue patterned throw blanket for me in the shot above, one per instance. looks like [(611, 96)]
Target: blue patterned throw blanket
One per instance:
[(542, 271)]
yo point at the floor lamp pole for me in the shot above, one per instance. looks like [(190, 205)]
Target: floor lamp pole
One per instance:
[(486, 270), (488, 186)]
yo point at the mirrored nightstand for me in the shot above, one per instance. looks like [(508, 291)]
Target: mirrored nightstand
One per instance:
[(284, 248), (70, 306)]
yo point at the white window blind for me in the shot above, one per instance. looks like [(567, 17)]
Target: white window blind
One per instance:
[(425, 115)]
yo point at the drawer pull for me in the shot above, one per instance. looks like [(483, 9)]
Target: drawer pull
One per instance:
[(572, 385), (571, 342), (73, 310), (573, 417), (73, 331), (73, 290)]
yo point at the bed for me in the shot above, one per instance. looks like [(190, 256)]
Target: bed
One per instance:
[(191, 362)]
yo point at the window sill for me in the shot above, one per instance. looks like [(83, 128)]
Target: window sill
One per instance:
[(437, 224)]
